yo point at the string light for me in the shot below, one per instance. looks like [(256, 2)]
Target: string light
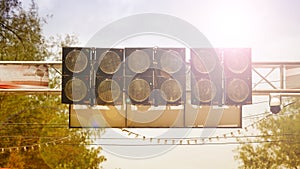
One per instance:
[(188, 140), (239, 132)]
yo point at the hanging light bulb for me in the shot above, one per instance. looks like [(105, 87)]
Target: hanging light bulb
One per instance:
[(231, 133)]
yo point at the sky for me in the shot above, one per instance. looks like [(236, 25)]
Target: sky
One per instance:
[(269, 27)]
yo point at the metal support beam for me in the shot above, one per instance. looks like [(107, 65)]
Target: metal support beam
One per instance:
[(56, 65), (264, 78)]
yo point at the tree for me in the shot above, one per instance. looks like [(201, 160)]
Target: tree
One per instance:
[(20, 33), (34, 129), (279, 147)]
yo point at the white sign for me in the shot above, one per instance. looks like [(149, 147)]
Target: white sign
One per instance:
[(23, 76)]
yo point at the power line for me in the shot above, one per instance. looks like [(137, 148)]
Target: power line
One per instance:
[(128, 138), (191, 144)]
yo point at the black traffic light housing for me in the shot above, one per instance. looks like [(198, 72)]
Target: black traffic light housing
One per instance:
[(169, 76), (238, 76), (206, 77), (109, 76), (76, 75), (139, 88), (139, 75)]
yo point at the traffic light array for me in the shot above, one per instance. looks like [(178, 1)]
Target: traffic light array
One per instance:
[(221, 76), (206, 77), (156, 76), (170, 79), (92, 76), (139, 75), (238, 76), (76, 75)]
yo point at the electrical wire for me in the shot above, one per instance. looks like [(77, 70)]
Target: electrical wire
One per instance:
[(182, 144)]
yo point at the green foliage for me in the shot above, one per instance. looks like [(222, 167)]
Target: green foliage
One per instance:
[(20, 32), (280, 147), (31, 126)]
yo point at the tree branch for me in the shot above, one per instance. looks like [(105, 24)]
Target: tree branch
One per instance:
[(12, 31)]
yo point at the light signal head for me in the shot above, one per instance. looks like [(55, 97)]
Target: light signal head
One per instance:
[(110, 62), (171, 90), (238, 76), (206, 77)]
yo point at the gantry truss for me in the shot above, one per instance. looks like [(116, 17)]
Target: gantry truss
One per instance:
[(267, 77)]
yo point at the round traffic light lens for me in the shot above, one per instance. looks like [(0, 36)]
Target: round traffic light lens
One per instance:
[(138, 61), (171, 61), (238, 90), (171, 90), (204, 61), (75, 90), (205, 90), (110, 62), (109, 91), (236, 61), (139, 90), (76, 61)]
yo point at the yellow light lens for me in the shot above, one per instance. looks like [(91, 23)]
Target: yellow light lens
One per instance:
[(139, 90), (171, 90), (75, 90), (138, 61), (110, 62), (109, 91), (76, 61)]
